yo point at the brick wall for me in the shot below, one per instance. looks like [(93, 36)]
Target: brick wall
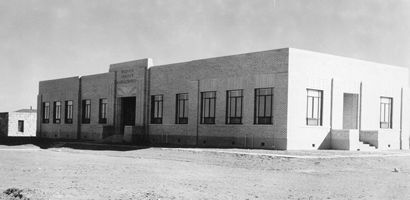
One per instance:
[(94, 88), (132, 81), (247, 72), (58, 90)]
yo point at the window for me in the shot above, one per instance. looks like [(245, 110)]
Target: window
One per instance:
[(57, 112), (103, 111), (386, 112), (46, 112), (263, 105), (156, 109), (86, 115), (314, 107), (234, 99), (68, 112), (21, 126), (182, 109), (208, 100)]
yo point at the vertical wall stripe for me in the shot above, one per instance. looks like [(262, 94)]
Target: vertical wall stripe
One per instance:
[(360, 106), (115, 102), (146, 104), (39, 114), (79, 109), (198, 113), (401, 118), (331, 104)]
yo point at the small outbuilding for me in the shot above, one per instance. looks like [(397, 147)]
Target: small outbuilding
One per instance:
[(20, 123)]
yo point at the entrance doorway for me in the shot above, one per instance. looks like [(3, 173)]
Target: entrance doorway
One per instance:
[(127, 111), (350, 110)]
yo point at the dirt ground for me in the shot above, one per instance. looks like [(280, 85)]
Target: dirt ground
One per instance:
[(172, 173)]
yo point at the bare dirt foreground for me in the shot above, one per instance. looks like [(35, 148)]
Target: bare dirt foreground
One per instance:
[(164, 173)]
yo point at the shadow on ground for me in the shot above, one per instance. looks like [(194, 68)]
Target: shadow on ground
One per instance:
[(46, 143), (73, 144)]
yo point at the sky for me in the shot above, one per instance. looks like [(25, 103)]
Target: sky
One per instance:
[(49, 39)]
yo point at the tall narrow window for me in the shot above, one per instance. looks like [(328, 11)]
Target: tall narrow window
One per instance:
[(86, 114), (234, 99), (21, 126), (103, 111), (386, 112), (182, 109), (46, 112), (208, 101), (68, 119), (263, 105), (156, 109), (314, 107), (57, 112)]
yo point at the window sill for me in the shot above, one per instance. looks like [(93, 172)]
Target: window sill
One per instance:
[(316, 127)]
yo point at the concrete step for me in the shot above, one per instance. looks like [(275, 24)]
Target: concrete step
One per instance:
[(365, 147)]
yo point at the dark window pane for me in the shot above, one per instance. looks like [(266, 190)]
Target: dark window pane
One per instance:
[(314, 107), (208, 100), (386, 112), (156, 109), (263, 105), (20, 126), (234, 106)]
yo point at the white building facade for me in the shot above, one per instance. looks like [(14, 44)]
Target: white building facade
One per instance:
[(358, 102)]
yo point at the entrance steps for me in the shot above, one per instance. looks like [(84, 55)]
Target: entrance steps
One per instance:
[(349, 139), (365, 147)]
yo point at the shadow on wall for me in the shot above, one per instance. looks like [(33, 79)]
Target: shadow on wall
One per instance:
[(326, 143)]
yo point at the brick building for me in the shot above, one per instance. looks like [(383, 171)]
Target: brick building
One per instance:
[(21, 123), (278, 99)]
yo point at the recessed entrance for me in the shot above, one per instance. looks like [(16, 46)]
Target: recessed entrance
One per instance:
[(128, 111), (350, 110)]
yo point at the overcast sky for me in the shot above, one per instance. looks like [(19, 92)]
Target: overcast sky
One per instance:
[(48, 39)]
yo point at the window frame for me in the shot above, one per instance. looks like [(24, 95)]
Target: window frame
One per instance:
[(263, 119), (181, 119), (46, 112), (229, 119), (57, 112), (86, 111), (156, 115), (20, 126), (319, 113), (389, 105), (102, 111), (68, 112), (210, 119)]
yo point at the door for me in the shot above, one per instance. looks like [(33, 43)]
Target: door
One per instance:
[(350, 110), (128, 111)]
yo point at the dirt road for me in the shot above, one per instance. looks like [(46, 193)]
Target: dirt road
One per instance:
[(161, 173)]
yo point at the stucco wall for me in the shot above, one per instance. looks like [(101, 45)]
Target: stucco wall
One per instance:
[(315, 70), (29, 120)]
